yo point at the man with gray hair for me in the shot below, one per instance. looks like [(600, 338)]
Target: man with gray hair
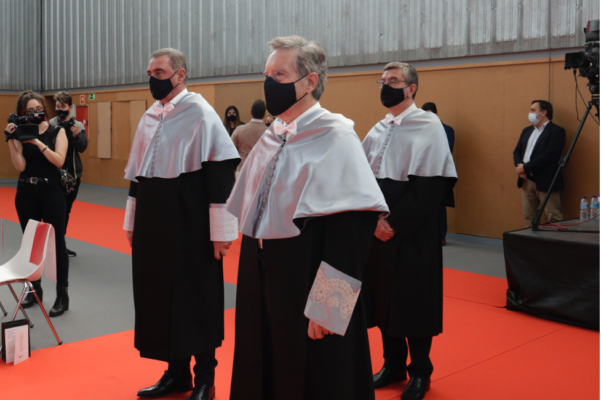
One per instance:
[(411, 160), (308, 205), (181, 169)]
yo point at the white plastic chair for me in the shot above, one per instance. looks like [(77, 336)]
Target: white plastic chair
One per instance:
[(37, 249)]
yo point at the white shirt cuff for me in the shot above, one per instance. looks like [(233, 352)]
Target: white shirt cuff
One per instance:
[(130, 213), (224, 226)]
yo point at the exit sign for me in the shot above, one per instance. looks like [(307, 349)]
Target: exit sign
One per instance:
[(91, 96)]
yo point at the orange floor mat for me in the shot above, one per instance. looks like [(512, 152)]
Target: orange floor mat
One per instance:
[(103, 226), (92, 223), (473, 287), (486, 353)]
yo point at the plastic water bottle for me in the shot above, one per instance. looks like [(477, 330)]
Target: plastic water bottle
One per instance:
[(583, 209), (594, 207)]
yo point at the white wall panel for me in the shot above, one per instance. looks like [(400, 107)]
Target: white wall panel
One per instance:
[(67, 44)]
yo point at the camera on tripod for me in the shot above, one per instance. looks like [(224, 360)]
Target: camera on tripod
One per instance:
[(587, 61), (27, 129)]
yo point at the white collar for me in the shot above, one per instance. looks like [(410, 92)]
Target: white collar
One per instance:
[(542, 128), (290, 129), (256, 120), (174, 100), (397, 120)]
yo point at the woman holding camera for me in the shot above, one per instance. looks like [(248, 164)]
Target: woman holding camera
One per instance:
[(39, 193)]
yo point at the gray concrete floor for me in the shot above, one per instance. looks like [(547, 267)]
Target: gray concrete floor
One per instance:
[(100, 286), (477, 258)]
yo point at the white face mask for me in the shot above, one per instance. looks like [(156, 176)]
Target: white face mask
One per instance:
[(532, 118)]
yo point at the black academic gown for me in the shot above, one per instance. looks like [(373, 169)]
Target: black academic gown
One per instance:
[(302, 369), (178, 283), (404, 289)]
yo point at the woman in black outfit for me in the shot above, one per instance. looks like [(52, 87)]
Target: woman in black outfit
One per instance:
[(232, 119), (39, 194)]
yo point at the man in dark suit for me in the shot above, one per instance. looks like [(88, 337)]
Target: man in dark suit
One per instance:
[(442, 215), (536, 159)]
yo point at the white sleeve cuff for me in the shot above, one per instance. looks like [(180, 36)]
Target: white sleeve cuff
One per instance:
[(224, 226), (130, 213), (332, 299)]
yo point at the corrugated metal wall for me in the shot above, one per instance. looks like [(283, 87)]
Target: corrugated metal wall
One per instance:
[(20, 44), (88, 43)]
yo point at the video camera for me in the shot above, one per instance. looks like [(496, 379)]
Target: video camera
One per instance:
[(26, 128), (67, 124), (587, 61)]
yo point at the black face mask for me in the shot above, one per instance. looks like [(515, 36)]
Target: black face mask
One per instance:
[(231, 117), (268, 123), (391, 97), (279, 97), (160, 88), (38, 117), (62, 114)]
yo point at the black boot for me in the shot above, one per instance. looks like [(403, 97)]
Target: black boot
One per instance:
[(30, 299), (202, 392), (62, 302)]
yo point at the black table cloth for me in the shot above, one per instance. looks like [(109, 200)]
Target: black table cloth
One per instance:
[(555, 274)]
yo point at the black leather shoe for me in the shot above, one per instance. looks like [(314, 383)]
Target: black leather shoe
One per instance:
[(386, 376), (166, 385), (416, 389), (202, 392), (61, 303), (71, 253), (30, 299)]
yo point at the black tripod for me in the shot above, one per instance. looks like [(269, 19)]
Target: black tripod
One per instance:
[(564, 160)]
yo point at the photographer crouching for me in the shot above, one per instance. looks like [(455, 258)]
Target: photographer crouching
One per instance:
[(78, 143), (37, 150)]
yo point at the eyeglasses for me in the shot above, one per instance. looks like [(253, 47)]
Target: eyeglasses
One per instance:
[(36, 110)]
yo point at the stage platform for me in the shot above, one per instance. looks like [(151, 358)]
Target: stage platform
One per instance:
[(553, 273)]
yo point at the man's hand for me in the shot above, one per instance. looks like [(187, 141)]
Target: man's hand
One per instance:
[(520, 171), (316, 331), (221, 249), (130, 235), (384, 231), (75, 130)]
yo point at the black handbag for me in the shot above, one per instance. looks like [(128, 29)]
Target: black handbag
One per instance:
[(67, 180)]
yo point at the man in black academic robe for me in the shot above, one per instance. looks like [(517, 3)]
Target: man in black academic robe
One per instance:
[(442, 215), (308, 205), (410, 157), (181, 169)]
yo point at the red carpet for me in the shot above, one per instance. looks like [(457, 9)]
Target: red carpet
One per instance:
[(485, 352)]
